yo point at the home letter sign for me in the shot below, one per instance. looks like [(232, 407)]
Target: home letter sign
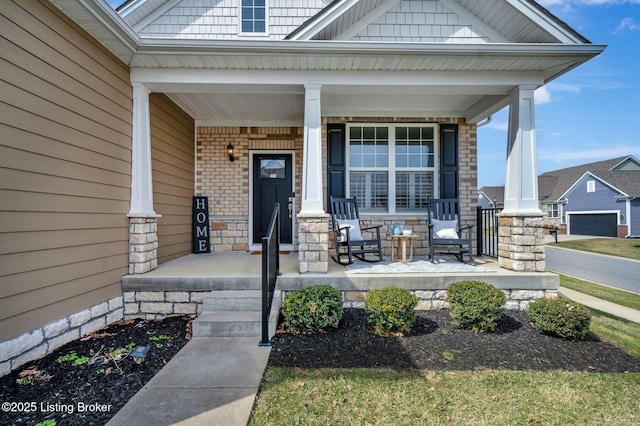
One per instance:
[(201, 243)]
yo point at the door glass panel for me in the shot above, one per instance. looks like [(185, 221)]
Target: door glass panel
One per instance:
[(272, 168)]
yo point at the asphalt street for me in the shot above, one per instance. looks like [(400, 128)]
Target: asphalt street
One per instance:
[(609, 270)]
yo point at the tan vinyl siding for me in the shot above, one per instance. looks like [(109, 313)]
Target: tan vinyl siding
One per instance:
[(65, 168), (172, 152)]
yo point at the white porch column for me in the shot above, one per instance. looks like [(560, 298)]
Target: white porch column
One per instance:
[(521, 230), (521, 184), (141, 179), (143, 221), (313, 221), (312, 200)]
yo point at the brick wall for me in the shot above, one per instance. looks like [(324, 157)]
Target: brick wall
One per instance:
[(227, 183)]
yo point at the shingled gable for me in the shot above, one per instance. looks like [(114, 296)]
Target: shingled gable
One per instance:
[(497, 20)]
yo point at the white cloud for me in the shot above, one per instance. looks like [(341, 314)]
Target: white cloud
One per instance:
[(542, 96), (627, 24)]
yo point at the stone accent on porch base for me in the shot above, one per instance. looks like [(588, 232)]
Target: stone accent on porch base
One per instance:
[(313, 243), (143, 243), (41, 341), (437, 299), (153, 305), (521, 242)]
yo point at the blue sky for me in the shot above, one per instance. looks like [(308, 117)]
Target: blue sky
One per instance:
[(590, 114)]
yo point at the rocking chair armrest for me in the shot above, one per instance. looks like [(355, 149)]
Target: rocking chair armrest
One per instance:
[(467, 228), (371, 227)]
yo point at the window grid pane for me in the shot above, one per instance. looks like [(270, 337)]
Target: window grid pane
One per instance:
[(369, 147), (414, 147), (253, 16)]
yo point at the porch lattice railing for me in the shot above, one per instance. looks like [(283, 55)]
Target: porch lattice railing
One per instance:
[(270, 270)]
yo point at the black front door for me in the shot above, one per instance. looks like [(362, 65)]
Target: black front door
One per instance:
[(272, 183)]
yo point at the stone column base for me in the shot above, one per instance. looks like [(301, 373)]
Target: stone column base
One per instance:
[(313, 243), (521, 242), (143, 243)]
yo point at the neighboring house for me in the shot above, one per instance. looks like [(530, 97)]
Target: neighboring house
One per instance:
[(491, 197), (601, 198), (113, 121)]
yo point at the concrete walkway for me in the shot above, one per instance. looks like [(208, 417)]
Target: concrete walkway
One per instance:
[(601, 305), (211, 381)]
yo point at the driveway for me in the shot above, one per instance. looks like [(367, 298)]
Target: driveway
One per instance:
[(609, 270)]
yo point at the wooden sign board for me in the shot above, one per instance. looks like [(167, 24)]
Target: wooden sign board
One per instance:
[(201, 242)]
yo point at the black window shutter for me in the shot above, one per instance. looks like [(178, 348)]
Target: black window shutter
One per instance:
[(448, 161), (336, 162)]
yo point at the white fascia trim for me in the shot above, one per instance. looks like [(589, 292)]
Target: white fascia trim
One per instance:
[(106, 16), (582, 178), (537, 16), (152, 76), (127, 9), (363, 22), (154, 15), (630, 157), (469, 17), (327, 19), (336, 47)]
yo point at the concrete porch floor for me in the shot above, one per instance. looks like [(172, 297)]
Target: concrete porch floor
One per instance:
[(242, 271)]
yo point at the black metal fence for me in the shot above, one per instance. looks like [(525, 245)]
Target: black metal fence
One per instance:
[(270, 270), (488, 231)]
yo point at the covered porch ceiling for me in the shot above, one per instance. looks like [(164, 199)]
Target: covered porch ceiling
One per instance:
[(283, 105), (240, 83)]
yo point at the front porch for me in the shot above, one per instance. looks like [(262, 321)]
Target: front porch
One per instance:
[(179, 286)]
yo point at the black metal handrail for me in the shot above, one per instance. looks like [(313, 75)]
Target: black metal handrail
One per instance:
[(270, 270), (487, 220)]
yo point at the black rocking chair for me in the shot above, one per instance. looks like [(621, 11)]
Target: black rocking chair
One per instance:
[(445, 230), (347, 233)]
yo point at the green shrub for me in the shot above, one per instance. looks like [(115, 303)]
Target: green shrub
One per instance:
[(560, 317), (475, 305), (391, 310), (312, 308)]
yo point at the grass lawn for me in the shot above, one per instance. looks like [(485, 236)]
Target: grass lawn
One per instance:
[(613, 295), (621, 247), (386, 397), (295, 396)]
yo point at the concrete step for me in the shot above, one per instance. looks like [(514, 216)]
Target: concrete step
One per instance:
[(233, 300), (217, 320)]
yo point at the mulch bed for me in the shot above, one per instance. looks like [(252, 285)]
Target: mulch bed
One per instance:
[(433, 344), (436, 344), (93, 392)]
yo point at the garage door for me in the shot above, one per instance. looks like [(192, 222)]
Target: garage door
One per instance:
[(602, 224)]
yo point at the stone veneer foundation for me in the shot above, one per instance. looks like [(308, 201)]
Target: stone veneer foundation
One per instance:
[(313, 243), (152, 305), (143, 243), (43, 340), (437, 299), (521, 242)]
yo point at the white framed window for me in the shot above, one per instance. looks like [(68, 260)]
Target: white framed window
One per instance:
[(591, 186), (253, 16), (552, 210), (392, 168)]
